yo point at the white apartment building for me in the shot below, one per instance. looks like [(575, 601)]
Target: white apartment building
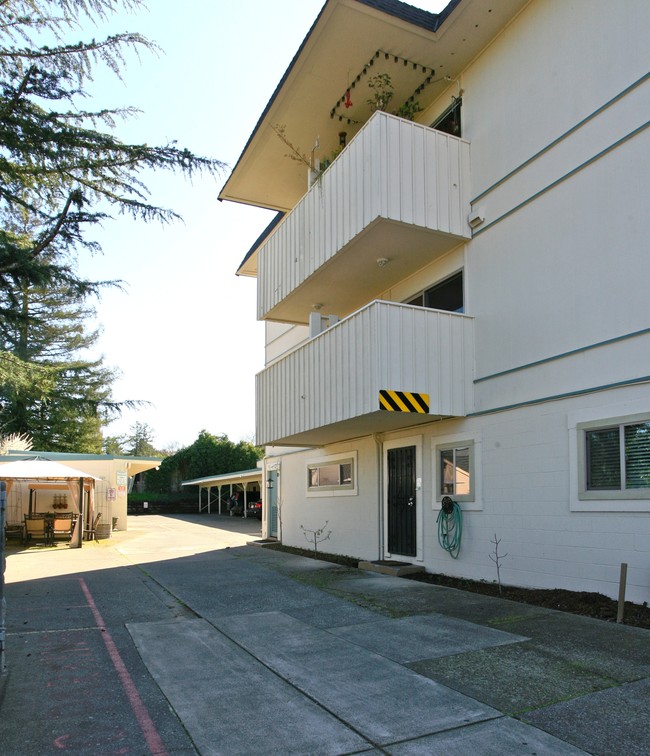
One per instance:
[(482, 270)]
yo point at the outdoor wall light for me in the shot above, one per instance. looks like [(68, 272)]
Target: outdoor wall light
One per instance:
[(269, 483)]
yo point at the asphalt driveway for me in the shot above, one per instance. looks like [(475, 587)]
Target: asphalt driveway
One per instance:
[(177, 637)]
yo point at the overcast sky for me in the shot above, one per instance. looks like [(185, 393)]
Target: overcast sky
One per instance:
[(183, 333)]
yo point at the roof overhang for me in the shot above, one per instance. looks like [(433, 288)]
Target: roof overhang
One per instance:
[(241, 476), (341, 50)]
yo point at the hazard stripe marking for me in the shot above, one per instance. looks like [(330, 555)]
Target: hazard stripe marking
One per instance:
[(403, 401)]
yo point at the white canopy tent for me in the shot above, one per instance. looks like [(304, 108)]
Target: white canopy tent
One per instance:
[(40, 474)]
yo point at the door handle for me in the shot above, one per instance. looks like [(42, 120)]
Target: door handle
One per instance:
[(410, 502)]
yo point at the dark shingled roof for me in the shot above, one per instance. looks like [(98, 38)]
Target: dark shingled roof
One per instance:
[(415, 16)]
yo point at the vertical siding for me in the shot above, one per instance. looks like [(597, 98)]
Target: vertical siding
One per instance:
[(338, 375), (394, 169)]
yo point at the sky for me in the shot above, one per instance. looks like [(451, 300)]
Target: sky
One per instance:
[(182, 331)]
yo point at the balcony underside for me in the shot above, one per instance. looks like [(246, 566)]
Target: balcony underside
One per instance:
[(353, 276), (358, 427)]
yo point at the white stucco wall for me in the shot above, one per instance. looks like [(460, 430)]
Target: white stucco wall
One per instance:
[(566, 271), (525, 495), (353, 519)]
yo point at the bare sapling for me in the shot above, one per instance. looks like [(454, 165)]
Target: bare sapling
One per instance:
[(316, 536), (497, 559)]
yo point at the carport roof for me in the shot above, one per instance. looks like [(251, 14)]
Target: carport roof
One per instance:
[(232, 477)]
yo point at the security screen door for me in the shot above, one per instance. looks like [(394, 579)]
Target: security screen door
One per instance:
[(401, 501)]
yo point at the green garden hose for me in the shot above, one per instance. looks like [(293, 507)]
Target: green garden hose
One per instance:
[(450, 526)]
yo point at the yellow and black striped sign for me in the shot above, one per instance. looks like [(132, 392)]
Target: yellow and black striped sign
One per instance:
[(404, 401)]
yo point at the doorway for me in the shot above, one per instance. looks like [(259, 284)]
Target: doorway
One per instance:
[(402, 501)]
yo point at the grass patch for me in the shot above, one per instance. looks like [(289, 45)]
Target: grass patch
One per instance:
[(345, 561)]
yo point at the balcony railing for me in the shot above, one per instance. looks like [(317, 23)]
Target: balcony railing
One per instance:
[(398, 191), (328, 389)]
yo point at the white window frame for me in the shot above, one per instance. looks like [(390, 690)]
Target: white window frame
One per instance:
[(465, 443), (612, 494), (341, 490), (629, 410)]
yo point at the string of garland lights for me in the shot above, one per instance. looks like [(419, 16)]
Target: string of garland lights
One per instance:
[(346, 98)]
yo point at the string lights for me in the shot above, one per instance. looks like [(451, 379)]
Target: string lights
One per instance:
[(345, 99)]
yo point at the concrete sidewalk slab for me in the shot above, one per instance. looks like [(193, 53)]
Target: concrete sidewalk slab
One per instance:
[(360, 687), (401, 597), (228, 701), (497, 737), (239, 586), (616, 651), (495, 676), (610, 721), (411, 639)]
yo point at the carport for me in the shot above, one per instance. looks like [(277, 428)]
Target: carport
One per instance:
[(220, 488)]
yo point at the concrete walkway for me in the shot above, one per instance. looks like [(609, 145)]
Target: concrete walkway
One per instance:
[(177, 637)]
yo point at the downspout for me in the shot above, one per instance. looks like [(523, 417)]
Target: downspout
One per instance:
[(380, 492)]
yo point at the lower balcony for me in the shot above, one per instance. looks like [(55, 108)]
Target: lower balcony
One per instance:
[(328, 389)]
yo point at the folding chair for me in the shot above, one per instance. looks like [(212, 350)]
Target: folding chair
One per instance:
[(35, 529), (62, 526)]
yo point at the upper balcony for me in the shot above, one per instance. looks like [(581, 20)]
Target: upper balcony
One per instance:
[(328, 389), (399, 192)]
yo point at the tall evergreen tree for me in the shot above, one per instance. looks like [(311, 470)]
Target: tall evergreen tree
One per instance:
[(139, 442), (59, 163), (67, 411), (62, 170)]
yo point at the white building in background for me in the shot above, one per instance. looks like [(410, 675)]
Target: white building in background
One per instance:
[(490, 258)]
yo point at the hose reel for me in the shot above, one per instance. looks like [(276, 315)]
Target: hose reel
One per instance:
[(450, 526)]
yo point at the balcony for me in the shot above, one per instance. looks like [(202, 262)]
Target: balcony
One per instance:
[(399, 191), (328, 389)]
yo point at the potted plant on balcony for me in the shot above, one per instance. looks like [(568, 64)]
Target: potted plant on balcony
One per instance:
[(382, 92)]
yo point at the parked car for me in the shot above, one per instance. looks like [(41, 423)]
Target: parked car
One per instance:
[(254, 509)]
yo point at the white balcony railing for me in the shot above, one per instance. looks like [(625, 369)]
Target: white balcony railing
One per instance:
[(394, 171), (328, 389)]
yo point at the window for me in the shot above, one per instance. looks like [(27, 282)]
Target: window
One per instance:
[(331, 475), (446, 295), (449, 121), (618, 457), (456, 471)]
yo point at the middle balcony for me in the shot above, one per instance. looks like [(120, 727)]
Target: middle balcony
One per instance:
[(329, 389), (396, 198)]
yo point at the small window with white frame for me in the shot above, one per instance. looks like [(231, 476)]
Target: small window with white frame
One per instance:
[(332, 475), (455, 465), (614, 459)]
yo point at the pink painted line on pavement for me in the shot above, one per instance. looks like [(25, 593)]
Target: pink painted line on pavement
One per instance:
[(148, 728)]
